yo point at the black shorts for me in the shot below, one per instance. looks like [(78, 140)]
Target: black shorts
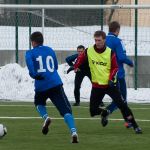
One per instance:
[(58, 98)]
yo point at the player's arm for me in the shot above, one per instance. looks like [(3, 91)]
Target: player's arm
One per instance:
[(121, 54), (29, 62), (80, 60), (71, 59), (114, 67)]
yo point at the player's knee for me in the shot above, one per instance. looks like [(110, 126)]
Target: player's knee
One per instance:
[(123, 107), (62, 113), (37, 102), (120, 104)]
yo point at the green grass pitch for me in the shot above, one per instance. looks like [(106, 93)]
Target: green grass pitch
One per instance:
[(25, 133)]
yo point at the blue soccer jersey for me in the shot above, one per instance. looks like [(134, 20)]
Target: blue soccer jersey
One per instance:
[(42, 62), (117, 46)]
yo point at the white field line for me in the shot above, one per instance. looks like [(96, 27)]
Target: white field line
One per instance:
[(135, 108), (54, 106), (140, 120)]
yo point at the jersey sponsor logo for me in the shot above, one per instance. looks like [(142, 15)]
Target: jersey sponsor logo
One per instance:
[(99, 63)]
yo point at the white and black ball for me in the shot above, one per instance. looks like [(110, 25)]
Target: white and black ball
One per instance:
[(3, 130)]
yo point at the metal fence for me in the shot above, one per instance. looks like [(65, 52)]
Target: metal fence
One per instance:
[(67, 26)]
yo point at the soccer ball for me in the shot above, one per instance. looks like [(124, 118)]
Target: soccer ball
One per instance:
[(3, 130)]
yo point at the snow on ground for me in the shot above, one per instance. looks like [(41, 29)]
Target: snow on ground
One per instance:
[(16, 85)]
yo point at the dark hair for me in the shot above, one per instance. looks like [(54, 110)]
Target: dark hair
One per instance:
[(100, 33), (37, 37), (113, 26), (80, 47)]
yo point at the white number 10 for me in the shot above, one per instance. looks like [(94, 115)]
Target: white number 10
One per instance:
[(48, 60)]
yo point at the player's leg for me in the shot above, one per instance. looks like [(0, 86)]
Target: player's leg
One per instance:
[(60, 100), (112, 107), (95, 100), (125, 110), (96, 97), (123, 90), (88, 74), (97, 94), (40, 104), (77, 85)]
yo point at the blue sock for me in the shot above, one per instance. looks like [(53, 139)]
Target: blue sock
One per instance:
[(70, 122), (42, 111)]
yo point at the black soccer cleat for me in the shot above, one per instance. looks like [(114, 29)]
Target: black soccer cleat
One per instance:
[(74, 138), (138, 130), (46, 124), (104, 117)]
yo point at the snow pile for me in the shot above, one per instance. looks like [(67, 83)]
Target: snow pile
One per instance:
[(16, 85)]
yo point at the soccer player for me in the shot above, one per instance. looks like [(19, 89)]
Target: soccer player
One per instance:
[(80, 74), (116, 44), (42, 65), (103, 68), (83, 71)]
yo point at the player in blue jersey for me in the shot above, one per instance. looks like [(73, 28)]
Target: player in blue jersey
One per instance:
[(42, 65), (117, 46)]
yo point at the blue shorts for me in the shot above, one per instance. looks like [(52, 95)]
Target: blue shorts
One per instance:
[(58, 98)]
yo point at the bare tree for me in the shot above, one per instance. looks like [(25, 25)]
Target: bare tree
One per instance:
[(113, 2)]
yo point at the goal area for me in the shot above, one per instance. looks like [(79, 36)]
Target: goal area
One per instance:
[(64, 28)]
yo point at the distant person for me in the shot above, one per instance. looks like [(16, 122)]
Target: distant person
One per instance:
[(83, 71), (80, 74), (117, 46), (42, 65), (103, 68)]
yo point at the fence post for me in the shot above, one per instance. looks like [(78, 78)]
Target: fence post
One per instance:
[(43, 23), (30, 18), (101, 15), (16, 32), (136, 47)]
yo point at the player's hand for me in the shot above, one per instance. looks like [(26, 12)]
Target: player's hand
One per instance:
[(38, 77), (70, 69), (131, 64), (76, 70), (112, 84)]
